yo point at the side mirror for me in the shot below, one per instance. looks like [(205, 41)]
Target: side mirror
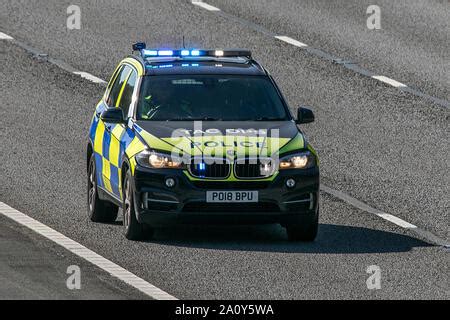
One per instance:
[(304, 115), (112, 115)]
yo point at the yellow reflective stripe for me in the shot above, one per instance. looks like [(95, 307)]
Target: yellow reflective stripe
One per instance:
[(219, 145), (157, 143), (120, 183), (117, 131), (114, 145), (296, 143), (107, 184), (132, 165), (134, 147), (111, 81), (98, 141), (106, 169), (123, 88), (137, 65)]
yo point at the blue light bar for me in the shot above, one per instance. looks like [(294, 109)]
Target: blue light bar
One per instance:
[(165, 53), (186, 53), (152, 53)]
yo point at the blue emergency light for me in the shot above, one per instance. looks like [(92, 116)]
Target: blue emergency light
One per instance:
[(186, 53)]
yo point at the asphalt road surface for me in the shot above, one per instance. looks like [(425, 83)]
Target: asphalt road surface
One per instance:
[(383, 146), (34, 268)]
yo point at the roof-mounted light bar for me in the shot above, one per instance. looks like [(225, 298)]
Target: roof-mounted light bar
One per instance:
[(185, 53)]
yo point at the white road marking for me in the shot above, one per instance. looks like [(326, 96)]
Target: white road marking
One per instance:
[(205, 5), (362, 206), (291, 41), (85, 253), (89, 77), (299, 44), (356, 203), (390, 81), (396, 220), (4, 36)]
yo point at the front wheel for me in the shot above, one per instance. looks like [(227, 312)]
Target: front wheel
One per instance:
[(305, 229), (133, 229), (98, 210)]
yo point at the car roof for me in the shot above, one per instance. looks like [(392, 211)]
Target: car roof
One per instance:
[(201, 65)]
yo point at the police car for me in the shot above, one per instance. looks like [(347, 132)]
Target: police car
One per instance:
[(199, 136)]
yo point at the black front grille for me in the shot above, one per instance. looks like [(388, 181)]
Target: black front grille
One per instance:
[(251, 168), (210, 170), (231, 207)]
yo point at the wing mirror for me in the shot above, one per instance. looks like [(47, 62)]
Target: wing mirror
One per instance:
[(304, 115), (112, 115)]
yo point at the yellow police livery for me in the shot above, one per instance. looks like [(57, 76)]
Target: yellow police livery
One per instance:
[(199, 136)]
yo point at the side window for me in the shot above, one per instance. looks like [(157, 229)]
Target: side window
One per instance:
[(114, 94), (127, 93)]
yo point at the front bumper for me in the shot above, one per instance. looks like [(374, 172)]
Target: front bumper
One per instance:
[(158, 205)]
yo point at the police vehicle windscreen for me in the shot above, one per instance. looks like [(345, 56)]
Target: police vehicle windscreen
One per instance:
[(209, 97)]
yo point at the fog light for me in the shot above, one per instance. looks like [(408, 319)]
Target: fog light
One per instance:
[(170, 182), (290, 183)]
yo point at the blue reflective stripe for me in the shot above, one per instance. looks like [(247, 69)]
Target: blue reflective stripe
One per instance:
[(114, 179), (106, 143), (138, 128), (125, 141), (93, 128), (98, 167)]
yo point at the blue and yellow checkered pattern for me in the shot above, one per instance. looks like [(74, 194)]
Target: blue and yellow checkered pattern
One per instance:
[(110, 146), (113, 143)]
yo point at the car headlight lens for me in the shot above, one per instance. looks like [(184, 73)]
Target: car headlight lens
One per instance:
[(302, 160), (155, 160)]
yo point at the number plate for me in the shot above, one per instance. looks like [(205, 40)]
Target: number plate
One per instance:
[(231, 196)]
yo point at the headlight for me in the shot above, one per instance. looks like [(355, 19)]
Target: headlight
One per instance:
[(302, 160), (155, 160)]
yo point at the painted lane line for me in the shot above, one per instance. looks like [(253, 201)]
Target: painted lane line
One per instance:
[(89, 77), (362, 206), (396, 220), (85, 253), (428, 236), (329, 57), (205, 5), (59, 63), (390, 81), (4, 36), (292, 41), (354, 202)]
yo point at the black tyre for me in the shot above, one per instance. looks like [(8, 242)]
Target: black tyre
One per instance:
[(98, 210), (305, 229), (133, 229)]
